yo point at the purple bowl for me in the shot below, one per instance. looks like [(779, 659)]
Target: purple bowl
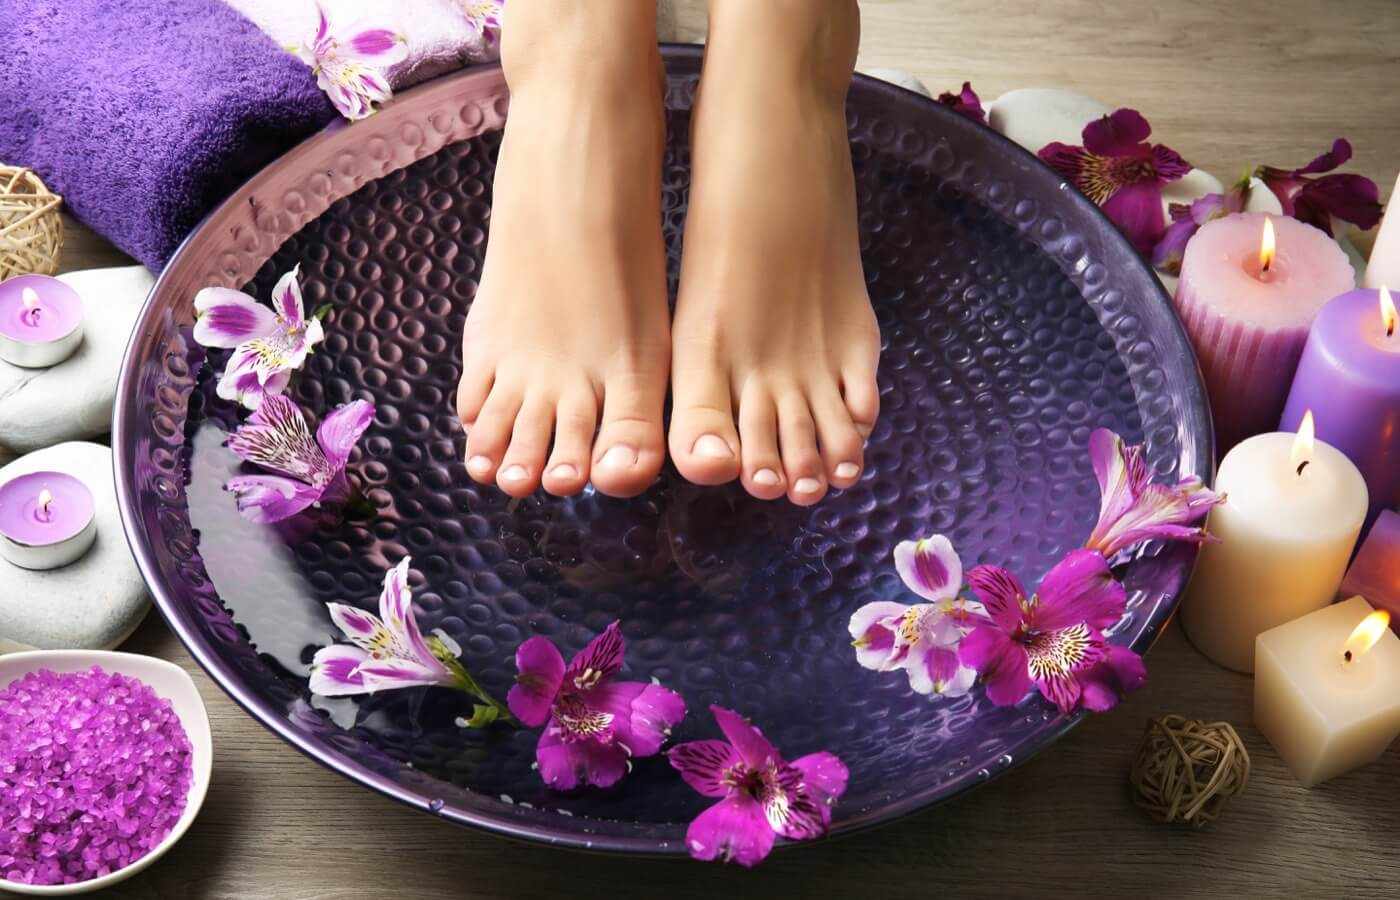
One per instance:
[(1015, 320)]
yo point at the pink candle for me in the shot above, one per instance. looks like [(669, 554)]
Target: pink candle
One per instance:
[(1375, 573), (41, 321), (46, 520), (1247, 308)]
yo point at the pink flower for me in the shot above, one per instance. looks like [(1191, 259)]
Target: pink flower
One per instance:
[(309, 471), (921, 639), (484, 16), (1133, 509), (351, 63), (965, 103), (594, 726), (1053, 640), (1117, 169), (268, 343), (762, 796), (1317, 201), (1187, 219)]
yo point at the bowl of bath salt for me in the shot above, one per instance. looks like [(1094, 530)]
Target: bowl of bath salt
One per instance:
[(104, 763)]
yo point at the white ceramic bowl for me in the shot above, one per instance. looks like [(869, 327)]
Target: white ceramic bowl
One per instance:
[(168, 681)]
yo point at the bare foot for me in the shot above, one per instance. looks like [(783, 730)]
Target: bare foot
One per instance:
[(775, 345), (566, 347)]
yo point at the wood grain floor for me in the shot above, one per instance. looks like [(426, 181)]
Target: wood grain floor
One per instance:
[(1227, 84)]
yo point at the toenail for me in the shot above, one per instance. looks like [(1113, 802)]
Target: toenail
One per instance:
[(514, 473), (565, 471), (847, 470), (712, 446), (767, 477), (619, 456), (479, 465), (807, 486)]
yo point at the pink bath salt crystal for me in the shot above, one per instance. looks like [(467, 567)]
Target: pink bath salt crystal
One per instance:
[(94, 772)]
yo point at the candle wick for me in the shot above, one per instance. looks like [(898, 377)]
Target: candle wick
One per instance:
[(1303, 465), (1347, 656)]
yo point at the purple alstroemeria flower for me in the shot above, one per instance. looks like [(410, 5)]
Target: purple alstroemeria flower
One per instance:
[(762, 795), (1187, 219), (268, 343), (484, 16), (921, 639), (1117, 169), (1133, 509), (310, 470), (1317, 201), (389, 651), (965, 103), (351, 63), (1053, 640), (593, 725)]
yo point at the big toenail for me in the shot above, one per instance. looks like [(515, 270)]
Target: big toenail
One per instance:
[(807, 486), (479, 465), (712, 446), (514, 473), (619, 456), (847, 470), (766, 477), (564, 470)]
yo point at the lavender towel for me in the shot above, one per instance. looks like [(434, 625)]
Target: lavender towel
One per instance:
[(143, 114)]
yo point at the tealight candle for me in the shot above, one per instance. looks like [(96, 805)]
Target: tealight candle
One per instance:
[(1293, 509), (1325, 689), (41, 321), (1350, 375), (1250, 287), (1375, 573), (46, 520)]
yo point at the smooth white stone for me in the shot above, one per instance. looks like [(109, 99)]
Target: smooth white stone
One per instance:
[(73, 400), (1034, 117), (92, 604), (1261, 199), (900, 77)]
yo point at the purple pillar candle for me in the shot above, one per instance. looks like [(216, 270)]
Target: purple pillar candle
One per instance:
[(1349, 376), (1375, 573), (46, 520), (41, 321)]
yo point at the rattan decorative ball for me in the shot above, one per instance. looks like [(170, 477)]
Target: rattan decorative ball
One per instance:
[(1186, 770), (31, 231)]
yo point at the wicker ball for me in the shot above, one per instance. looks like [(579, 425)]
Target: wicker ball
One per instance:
[(1186, 770), (31, 231)]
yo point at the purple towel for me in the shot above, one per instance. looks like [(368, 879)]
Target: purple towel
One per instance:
[(144, 114)]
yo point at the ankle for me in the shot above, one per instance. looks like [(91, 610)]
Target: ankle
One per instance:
[(606, 46), (808, 46)]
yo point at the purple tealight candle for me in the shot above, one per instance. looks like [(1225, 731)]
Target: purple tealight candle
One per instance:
[(1349, 375), (41, 321), (46, 520)]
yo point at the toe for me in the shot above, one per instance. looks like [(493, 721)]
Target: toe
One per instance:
[(797, 436), (489, 435), (521, 467), (629, 449), (842, 446), (758, 436), (862, 396), (576, 419), (704, 443), (473, 390)]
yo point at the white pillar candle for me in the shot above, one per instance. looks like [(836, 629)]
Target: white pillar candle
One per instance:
[(1292, 513), (1325, 689)]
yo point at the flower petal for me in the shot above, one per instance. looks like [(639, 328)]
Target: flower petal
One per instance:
[(873, 639), (1351, 198), (539, 673), (380, 47), (702, 765), (1332, 159), (227, 318), (654, 713), (1169, 164), (929, 567), (391, 674), (1079, 589), (753, 748), (240, 381), (356, 624), (396, 609), (1001, 592), (733, 830), (266, 499), (1119, 672), (276, 437), (940, 672), (341, 429), (965, 103), (335, 671), (603, 655), (286, 299), (1117, 134), (1137, 211), (564, 764), (1000, 661), (824, 776)]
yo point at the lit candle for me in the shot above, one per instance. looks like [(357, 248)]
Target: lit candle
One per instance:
[(41, 321), (1350, 374), (1375, 573), (1325, 689), (1250, 287), (1293, 509), (46, 520)]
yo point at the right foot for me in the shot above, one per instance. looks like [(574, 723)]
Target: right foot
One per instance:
[(566, 348)]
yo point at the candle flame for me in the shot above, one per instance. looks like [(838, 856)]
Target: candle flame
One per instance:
[(1268, 246), (1303, 443), (1389, 316), (30, 298), (1365, 635)]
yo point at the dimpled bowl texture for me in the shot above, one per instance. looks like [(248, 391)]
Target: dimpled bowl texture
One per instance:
[(1014, 319)]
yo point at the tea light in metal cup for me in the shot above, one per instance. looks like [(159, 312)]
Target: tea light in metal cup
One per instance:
[(46, 520), (41, 321)]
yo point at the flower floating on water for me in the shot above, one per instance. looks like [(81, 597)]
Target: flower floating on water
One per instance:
[(1317, 201), (309, 470), (594, 726), (1117, 169), (1053, 640), (389, 651), (921, 639), (350, 63), (1133, 509), (484, 16), (762, 795), (268, 343), (965, 103)]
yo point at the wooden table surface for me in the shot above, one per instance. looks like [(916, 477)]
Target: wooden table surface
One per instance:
[(1227, 84)]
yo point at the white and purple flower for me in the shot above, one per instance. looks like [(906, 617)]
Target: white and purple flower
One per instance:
[(268, 343), (761, 795), (594, 726), (484, 16), (309, 471), (351, 63)]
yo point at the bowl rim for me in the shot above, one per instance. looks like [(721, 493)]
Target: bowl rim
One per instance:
[(135, 665)]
